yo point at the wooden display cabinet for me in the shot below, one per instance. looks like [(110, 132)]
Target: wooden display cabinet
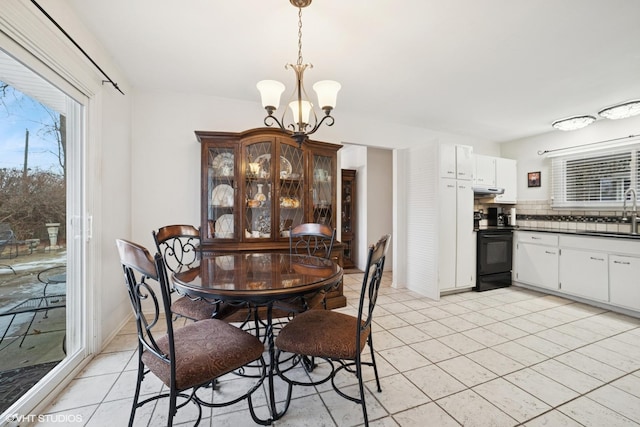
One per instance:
[(249, 202), (348, 217)]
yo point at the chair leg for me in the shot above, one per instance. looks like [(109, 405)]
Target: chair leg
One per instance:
[(373, 362), (361, 386), (136, 395)]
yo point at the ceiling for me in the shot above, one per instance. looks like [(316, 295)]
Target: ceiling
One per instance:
[(492, 69)]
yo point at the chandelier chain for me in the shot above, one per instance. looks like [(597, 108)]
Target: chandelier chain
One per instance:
[(299, 36)]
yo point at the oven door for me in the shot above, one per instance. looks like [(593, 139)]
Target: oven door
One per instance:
[(494, 252)]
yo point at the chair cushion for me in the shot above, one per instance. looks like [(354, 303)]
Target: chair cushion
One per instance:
[(204, 350), (322, 333), (200, 309)]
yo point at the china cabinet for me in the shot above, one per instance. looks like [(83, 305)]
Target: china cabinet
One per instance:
[(257, 184), (348, 217)]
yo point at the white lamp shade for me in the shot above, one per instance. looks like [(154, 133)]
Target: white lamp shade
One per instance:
[(270, 91), (327, 91), (306, 110)]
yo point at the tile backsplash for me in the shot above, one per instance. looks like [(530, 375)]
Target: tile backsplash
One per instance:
[(538, 214)]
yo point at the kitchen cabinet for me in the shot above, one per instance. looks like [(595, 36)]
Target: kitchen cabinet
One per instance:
[(456, 162), (507, 178), (584, 273), (599, 269), (257, 184), (624, 286), (536, 259), (485, 171), (456, 255)]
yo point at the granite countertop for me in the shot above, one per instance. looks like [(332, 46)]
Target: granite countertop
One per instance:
[(591, 233)]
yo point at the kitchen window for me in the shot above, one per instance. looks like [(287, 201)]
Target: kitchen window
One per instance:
[(595, 179)]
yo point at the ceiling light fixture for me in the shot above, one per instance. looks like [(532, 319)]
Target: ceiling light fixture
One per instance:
[(621, 111), (573, 123), (301, 108)]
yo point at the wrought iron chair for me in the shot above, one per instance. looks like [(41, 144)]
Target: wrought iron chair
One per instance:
[(187, 358), (315, 240), (312, 239), (179, 246), (336, 337), (6, 238)]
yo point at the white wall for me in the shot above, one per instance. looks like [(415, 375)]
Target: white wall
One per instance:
[(379, 201), (525, 151), (166, 157)]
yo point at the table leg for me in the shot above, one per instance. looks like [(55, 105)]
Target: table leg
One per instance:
[(271, 375)]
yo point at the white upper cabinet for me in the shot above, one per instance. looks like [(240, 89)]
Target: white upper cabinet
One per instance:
[(456, 161), (485, 175), (507, 178)]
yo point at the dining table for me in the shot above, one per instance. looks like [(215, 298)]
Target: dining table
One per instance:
[(265, 283)]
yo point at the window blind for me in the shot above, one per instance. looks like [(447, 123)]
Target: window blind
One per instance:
[(595, 179)]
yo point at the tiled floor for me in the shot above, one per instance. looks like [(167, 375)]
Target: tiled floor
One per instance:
[(498, 358)]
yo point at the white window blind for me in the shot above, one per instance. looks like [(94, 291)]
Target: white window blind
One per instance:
[(595, 179)]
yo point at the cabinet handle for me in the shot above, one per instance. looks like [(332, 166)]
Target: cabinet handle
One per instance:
[(622, 262), (451, 186), (536, 238), (549, 252), (596, 259)]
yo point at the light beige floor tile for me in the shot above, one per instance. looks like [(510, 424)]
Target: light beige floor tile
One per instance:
[(477, 318), (544, 388), (624, 362), (567, 375), (591, 414), (307, 411), (117, 412), (457, 324), (507, 331), (413, 317), (390, 322), (629, 383), (618, 400), (485, 336), (455, 309), (394, 307), (560, 338), (496, 314), (494, 361), (384, 339), (75, 416), (542, 346), (429, 414), (461, 343), (434, 382), (410, 334), (590, 366), (520, 353), (404, 358), (466, 371), (471, 410), (434, 350), (552, 419), (512, 400), (398, 394), (82, 392), (108, 363), (525, 325), (435, 313), (347, 413), (435, 329)]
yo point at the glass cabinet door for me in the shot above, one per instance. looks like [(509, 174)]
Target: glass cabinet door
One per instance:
[(291, 188), (258, 190), (322, 189), (221, 194)]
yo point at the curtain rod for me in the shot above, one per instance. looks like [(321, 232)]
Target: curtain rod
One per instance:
[(115, 85), (540, 153)]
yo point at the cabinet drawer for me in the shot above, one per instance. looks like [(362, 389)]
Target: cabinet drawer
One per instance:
[(537, 238)]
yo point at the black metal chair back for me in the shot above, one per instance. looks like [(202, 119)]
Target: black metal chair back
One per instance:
[(179, 246), (189, 357), (312, 239)]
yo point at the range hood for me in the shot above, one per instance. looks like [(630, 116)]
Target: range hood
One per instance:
[(487, 191)]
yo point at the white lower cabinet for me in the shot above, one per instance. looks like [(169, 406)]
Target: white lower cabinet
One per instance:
[(537, 265), (585, 274), (624, 282)]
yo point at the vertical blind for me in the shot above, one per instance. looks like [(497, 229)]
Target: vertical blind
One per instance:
[(595, 179)]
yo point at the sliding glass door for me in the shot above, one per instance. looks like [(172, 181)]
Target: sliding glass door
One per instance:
[(41, 236)]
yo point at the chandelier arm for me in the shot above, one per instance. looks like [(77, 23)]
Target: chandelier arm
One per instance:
[(273, 119), (317, 125)]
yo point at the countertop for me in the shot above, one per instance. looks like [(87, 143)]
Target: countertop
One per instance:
[(590, 233)]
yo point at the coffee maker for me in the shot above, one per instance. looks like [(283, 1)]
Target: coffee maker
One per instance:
[(497, 217)]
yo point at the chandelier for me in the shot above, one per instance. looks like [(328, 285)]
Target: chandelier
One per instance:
[(304, 120)]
